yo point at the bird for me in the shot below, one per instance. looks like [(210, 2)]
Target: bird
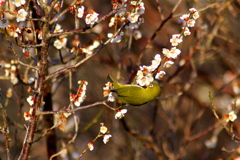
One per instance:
[(134, 94)]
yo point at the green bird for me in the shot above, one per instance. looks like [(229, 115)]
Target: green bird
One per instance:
[(134, 94)]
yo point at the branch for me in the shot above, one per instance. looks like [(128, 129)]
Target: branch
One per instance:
[(83, 30), (5, 130), (156, 31), (72, 110), (88, 57)]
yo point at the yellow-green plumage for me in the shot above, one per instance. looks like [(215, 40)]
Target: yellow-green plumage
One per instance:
[(134, 94)]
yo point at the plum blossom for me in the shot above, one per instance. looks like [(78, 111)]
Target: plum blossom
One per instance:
[(18, 3), (160, 74), (80, 12), (106, 138), (120, 113), (90, 146), (21, 15), (176, 39), (231, 117), (173, 53), (91, 18), (60, 43)]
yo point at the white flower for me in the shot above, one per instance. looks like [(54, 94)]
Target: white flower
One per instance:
[(77, 103), (182, 62), (18, 3), (185, 17), (4, 22), (175, 40), (108, 86), (156, 62), (91, 18), (112, 21), (9, 93), (120, 113), (27, 116), (133, 17), (144, 80), (160, 74), (195, 15), (134, 3), (137, 34), (211, 143), (191, 23), (87, 51), (60, 43), (80, 12), (90, 146), (21, 15), (13, 31), (144, 75), (30, 100), (31, 80), (94, 45), (58, 28), (14, 80), (140, 8), (231, 117), (111, 98), (168, 64), (192, 10), (186, 31), (173, 53), (103, 129), (39, 34), (117, 38), (106, 138)]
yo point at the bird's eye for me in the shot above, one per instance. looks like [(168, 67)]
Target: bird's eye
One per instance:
[(150, 85)]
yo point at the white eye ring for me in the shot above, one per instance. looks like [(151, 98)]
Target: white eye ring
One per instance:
[(150, 85)]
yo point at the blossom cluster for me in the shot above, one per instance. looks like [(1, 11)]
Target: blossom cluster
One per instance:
[(103, 133), (107, 92), (21, 14), (27, 115), (61, 41), (145, 74), (189, 20), (11, 71), (89, 49), (13, 31), (134, 16), (81, 93), (60, 119), (90, 18)]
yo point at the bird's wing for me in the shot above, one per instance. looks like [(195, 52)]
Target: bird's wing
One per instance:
[(126, 91)]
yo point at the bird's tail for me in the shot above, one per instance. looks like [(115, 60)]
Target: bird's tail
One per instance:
[(114, 82), (110, 78)]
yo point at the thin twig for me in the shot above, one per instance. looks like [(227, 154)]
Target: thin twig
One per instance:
[(73, 110), (83, 30), (233, 136), (6, 130), (24, 64)]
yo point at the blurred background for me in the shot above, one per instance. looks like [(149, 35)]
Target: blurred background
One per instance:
[(179, 124)]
